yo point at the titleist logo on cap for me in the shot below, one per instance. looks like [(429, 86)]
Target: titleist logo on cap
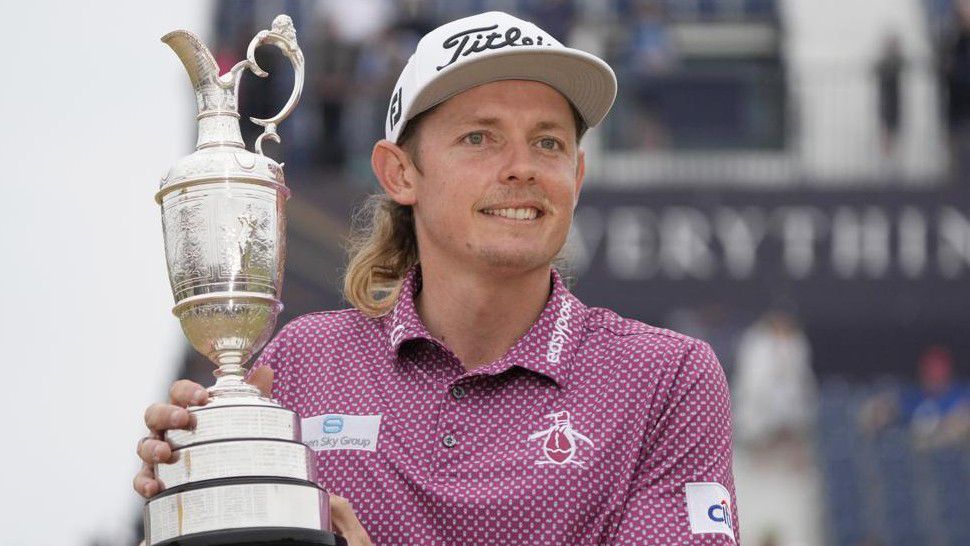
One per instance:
[(490, 47), (474, 40)]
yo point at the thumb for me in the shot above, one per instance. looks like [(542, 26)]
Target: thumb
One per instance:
[(262, 379)]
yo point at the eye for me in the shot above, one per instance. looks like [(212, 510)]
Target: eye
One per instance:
[(549, 143), (476, 139)]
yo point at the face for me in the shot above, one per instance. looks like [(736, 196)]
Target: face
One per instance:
[(500, 175)]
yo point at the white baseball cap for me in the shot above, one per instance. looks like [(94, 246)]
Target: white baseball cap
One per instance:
[(490, 47)]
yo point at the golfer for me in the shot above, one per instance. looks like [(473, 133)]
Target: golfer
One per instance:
[(468, 397)]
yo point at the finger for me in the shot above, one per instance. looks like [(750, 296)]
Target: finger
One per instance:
[(187, 393), (154, 451), (346, 523), (145, 483), (161, 417), (262, 379)]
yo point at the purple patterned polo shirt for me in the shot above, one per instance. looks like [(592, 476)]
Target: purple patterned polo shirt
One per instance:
[(592, 429)]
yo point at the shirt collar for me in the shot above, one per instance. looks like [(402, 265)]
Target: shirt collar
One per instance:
[(547, 348), (404, 324)]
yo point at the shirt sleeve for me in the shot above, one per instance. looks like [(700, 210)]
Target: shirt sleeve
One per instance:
[(278, 356), (682, 491)]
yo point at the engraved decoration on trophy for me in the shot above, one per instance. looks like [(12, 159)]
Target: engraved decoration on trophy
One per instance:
[(241, 476)]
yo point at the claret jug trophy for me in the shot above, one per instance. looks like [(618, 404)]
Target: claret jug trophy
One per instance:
[(241, 475)]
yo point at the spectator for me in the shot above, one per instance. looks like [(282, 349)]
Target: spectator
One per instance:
[(333, 86), (775, 389), (938, 410), (647, 57), (889, 70), (956, 67), (651, 48), (775, 400)]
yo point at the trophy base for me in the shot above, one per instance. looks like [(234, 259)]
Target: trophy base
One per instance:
[(259, 536), (238, 507)]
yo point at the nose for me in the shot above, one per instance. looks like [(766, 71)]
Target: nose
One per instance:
[(520, 166)]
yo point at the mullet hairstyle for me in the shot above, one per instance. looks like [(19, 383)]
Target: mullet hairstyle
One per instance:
[(382, 246)]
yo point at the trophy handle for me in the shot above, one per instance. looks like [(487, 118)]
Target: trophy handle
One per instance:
[(283, 36)]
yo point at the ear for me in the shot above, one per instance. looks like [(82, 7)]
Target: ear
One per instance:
[(580, 172), (395, 171)]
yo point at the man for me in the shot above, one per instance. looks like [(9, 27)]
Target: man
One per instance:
[(490, 405)]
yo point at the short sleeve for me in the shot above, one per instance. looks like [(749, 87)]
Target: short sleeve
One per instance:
[(682, 490), (278, 355)]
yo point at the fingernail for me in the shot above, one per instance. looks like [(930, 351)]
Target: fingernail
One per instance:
[(157, 454), (198, 397), (177, 418)]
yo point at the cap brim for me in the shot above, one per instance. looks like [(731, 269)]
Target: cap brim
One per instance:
[(585, 80)]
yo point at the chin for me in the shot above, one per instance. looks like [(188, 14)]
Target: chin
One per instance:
[(512, 261)]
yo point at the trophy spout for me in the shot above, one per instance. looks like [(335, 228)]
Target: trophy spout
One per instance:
[(216, 97), (196, 57)]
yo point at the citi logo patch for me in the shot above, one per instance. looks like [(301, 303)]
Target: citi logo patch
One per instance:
[(560, 442), (720, 513), (709, 508)]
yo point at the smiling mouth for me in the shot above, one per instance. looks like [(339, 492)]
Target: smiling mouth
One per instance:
[(524, 213)]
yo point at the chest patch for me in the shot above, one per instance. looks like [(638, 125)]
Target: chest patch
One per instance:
[(560, 443), (334, 431)]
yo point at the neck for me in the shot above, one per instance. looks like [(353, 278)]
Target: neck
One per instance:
[(480, 315)]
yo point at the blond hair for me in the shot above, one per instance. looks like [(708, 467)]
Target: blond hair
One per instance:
[(382, 249)]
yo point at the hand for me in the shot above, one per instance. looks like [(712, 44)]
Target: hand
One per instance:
[(346, 523), (174, 415), (154, 449)]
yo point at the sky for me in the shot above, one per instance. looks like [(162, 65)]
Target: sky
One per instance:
[(95, 110)]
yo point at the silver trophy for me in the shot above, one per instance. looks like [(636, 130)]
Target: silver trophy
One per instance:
[(241, 476)]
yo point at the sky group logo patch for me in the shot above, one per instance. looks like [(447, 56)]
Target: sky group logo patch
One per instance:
[(339, 431)]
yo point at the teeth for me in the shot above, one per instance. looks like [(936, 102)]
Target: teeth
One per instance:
[(528, 213)]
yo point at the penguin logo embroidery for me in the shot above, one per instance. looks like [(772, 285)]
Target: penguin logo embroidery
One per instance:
[(560, 441)]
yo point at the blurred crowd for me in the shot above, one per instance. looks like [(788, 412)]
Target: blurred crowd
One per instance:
[(354, 50), (877, 462), (672, 96)]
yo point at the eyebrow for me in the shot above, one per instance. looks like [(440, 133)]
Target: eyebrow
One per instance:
[(548, 125), (488, 122), (493, 121)]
